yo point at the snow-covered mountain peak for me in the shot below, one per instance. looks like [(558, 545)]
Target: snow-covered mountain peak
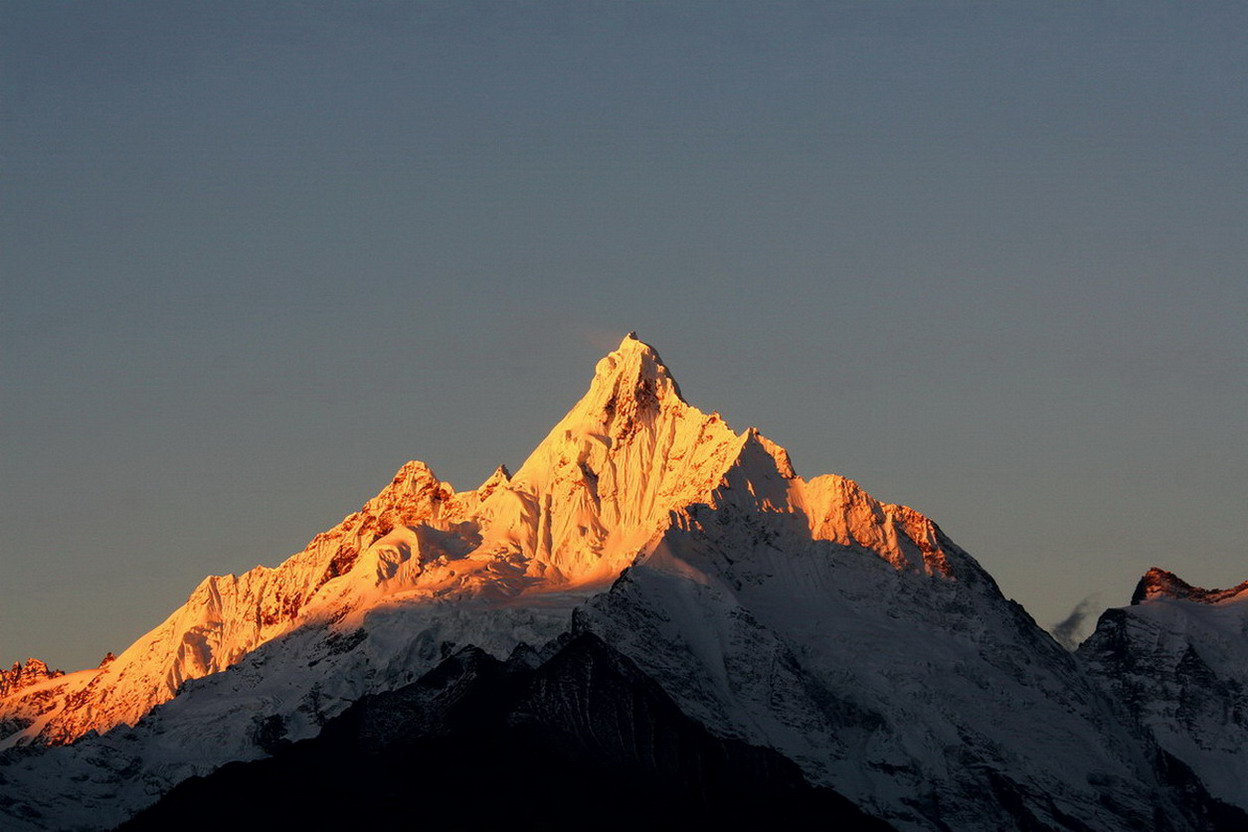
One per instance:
[(631, 383), (1177, 658), (804, 615), (1158, 583), (501, 476), (414, 481), (596, 496)]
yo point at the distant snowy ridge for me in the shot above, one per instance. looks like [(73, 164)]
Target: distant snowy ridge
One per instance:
[(1177, 658), (1158, 583)]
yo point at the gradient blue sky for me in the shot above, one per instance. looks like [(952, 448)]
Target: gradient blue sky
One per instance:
[(988, 259)]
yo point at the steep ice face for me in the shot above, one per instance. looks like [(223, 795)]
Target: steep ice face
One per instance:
[(1177, 658), (605, 478)]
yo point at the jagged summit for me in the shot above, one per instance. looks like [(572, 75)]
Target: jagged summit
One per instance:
[(1158, 583), (630, 392), (629, 383)]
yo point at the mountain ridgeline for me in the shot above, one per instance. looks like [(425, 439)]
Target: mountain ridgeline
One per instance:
[(654, 617)]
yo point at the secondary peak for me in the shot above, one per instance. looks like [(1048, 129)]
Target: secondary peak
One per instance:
[(1158, 583)]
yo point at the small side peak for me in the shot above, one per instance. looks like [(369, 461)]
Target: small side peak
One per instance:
[(412, 468), (1159, 583), (22, 675), (784, 466), (413, 475), (501, 476), (413, 493)]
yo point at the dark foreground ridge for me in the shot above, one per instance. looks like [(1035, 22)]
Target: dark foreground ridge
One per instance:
[(581, 740)]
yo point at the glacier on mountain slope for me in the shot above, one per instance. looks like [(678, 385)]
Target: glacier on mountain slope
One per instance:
[(1177, 657), (804, 615)]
